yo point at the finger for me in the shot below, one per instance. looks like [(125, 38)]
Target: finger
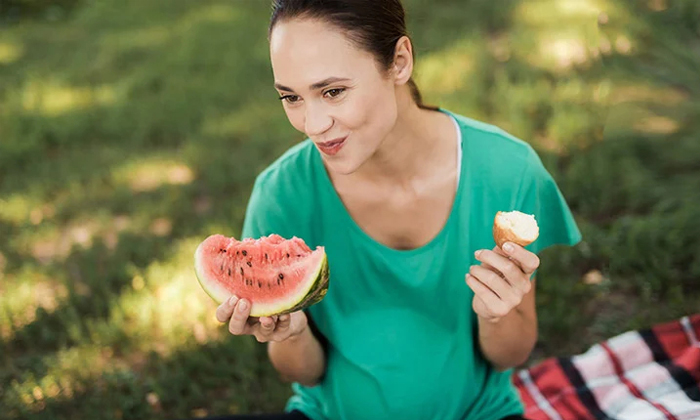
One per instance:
[(283, 322), (225, 310), (490, 299), (492, 268), (528, 261), (494, 282), (238, 324), (267, 323), (510, 270)]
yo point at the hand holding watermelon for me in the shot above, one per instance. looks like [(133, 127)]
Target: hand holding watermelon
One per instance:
[(236, 312)]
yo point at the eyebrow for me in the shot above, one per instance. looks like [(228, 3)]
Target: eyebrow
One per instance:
[(317, 85)]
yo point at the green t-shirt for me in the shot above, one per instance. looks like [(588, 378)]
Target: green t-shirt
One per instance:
[(401, 331)]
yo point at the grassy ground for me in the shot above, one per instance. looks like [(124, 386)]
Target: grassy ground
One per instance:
[(129, 130)]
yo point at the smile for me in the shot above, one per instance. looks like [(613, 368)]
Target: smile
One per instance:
[(332, 147)]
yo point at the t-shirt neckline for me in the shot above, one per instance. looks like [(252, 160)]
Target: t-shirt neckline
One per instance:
[(365, 237)]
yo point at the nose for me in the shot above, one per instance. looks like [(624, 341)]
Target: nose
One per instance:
[(317, 121)]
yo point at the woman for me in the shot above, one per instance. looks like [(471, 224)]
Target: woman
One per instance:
[(424, 316)]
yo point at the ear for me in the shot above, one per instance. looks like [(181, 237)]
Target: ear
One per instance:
[(402, 68)]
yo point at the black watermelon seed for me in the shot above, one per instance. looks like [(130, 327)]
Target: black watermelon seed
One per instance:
[(281, 276), (287, 254), (222, 268), (259, 285), (249, 263), (238, 252), (241, 271), (278, 282), (244, 252), (229, 272), (265, 257)]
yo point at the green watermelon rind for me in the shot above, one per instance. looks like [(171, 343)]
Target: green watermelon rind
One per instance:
[(319, 289), (314, 294)]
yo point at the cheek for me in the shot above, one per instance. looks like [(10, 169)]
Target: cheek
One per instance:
[(296, 118), (372, 112)]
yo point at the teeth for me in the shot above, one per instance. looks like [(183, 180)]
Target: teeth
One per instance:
[(330, 143)]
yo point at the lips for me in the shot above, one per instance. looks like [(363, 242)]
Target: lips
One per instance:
[(332, 147)]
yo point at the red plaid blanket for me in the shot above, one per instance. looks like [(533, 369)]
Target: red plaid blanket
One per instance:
[(648, 374)]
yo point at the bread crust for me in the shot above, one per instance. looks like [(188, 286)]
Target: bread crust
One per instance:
[(503, 234)]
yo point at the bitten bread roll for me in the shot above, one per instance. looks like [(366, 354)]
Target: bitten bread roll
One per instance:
[(516, 227)]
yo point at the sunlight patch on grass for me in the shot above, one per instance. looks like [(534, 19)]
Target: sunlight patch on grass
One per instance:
[(241, 122), (22, 293), (9, 53), (561, 53), (161, 226), (164, 309), (645, 92), (447, 70), (52, 99), (167, 307), (213, 13), (16, 208), (565, 32), (579, 91), (69, 371), (139, 38), (630, 110), (538, 12), (19, 209), (55, 243), (149, 174), (657, 5), (657, 124), (637, 117)]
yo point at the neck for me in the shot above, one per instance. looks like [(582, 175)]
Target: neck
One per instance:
[(412, 150)]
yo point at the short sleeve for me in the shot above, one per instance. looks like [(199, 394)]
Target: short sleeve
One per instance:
[(260, 213), (540, 196), (265, 214)]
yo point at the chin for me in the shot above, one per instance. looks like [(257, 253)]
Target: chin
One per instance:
[(342, 166)]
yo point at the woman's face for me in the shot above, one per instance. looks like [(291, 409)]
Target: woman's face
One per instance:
[(333, 92)]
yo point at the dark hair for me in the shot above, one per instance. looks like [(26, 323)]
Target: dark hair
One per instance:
[(373, 25)]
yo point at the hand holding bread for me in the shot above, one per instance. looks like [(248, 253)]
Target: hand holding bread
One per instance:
[(504, 276)]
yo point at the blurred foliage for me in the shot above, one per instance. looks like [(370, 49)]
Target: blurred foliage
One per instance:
[(130, 130), (15, 11)]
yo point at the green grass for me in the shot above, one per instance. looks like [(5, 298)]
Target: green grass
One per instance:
[(131, 130)]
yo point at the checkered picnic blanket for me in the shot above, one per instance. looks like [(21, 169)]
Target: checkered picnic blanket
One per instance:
[(648, 374)]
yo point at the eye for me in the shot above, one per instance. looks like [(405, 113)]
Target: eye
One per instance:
[(290, 98), (334, 92)]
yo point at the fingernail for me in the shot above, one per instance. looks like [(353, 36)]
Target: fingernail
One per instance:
[(243, 305), (232, 300), (477, 253), (508, 247)]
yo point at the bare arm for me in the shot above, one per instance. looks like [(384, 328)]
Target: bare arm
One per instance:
[(299, 358), (508, 341), (293, 350)]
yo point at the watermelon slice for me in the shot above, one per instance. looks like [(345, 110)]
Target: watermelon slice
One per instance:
[(276, 275)]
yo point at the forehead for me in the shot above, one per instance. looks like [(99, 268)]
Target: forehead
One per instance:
[(304, 51)]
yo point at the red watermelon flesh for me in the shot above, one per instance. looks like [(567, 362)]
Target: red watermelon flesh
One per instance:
[(276, 275)]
